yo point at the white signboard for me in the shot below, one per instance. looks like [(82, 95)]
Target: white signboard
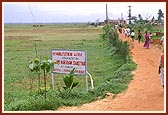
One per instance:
[(66, 60)]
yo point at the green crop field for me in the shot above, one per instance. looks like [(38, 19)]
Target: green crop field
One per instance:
[(19, 49)]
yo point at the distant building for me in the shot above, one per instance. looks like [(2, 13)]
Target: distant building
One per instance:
[(113, 22), (109, 21)]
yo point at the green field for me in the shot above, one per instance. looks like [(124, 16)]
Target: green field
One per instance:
[(109, 73)]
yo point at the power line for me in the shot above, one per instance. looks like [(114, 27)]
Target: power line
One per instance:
[(32, 13), (35, 26)]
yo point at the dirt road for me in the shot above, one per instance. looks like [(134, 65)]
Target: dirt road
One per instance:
[(144, 93)]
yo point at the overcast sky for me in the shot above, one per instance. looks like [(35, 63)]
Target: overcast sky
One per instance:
[(55, 12)]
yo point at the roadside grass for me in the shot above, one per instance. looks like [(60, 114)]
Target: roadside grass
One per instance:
[(109, 73)]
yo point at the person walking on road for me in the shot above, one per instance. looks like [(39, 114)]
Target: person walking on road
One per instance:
[(139, 36), (162, 41), (132, 35), (147, 40), (161, 68)]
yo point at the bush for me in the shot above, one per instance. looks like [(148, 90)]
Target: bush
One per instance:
[(117, 46)]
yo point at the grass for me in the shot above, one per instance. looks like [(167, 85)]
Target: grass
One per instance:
[(108, 72)]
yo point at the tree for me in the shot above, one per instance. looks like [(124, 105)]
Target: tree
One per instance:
[(97, 22), (134, 18), (160, 15), (153, 19), (140, 17)]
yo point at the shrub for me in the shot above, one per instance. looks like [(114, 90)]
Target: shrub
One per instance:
[(117, 46), (69, 81)]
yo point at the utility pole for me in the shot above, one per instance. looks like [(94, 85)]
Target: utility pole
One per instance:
[(129, 16), (106, 15), (122, 16)]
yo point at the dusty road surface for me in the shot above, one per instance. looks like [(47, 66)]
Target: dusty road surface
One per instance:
[(144, 92)]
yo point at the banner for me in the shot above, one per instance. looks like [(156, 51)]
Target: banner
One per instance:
[(66, 60)]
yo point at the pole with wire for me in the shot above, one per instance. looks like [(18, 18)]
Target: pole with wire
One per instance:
[(32, 14)]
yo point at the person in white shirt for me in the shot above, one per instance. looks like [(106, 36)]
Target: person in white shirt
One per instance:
[(125, 32), (128, 32), (132, 35)]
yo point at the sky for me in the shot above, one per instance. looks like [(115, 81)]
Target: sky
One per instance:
[(62, 12)]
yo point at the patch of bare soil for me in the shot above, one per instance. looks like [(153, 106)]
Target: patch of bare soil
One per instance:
[(144, 92), (19, 37)]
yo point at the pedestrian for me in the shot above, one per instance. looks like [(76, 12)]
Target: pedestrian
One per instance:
[(132, 35), (150, 35), (162, 41), (128, 31), (116, 26), (120, 28), (147, 40), (139, 36), (161, 68), (125, 32)]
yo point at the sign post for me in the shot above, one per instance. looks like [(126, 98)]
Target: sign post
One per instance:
[(66, 60), (86, 83), (53, 81)]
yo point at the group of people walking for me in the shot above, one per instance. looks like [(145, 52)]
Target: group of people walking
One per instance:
[(147, 37), (131, 33)]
